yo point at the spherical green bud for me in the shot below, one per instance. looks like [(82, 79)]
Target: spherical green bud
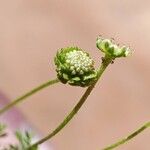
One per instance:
[(75, 67), (111, 49)]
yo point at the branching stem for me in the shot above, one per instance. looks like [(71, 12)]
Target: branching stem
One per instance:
[(131, 136), (105, 63), (23, 97)]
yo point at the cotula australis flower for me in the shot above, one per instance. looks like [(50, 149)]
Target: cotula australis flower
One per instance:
[(75, 67), (111, 49)]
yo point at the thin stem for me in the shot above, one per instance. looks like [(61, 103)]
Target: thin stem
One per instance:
[(132, 135), (23, 97), (105, 63)]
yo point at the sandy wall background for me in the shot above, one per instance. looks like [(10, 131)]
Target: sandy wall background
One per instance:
[(30, 33)]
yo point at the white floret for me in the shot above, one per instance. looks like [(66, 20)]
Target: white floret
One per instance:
[(80, 62)]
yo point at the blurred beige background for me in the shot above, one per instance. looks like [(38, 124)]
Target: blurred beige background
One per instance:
[(30, 33)]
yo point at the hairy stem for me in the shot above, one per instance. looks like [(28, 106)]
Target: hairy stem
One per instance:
[(132, 135), (105, 63), (23, 97)]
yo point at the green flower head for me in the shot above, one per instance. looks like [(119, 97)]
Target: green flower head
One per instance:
[(111, 49), (75, 67)]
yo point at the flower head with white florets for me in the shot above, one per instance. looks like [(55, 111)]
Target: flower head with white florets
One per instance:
[(75, 67)]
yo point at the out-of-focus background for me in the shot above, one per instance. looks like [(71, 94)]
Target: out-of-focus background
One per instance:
[(31, 31)]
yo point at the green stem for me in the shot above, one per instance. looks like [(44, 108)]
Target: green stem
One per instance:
[(132, 135), (33, 91), (105, 63)]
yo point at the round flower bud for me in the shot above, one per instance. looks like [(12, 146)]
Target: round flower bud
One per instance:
[(75, 67), (111, 49)]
